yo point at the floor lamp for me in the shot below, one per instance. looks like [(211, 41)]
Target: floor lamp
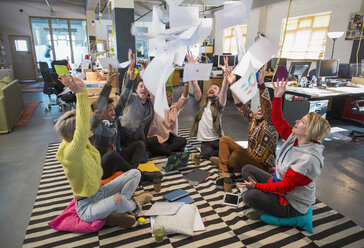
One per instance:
[(334, 36)]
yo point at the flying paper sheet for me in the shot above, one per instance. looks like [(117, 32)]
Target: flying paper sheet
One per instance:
[(156, 20), (61, 70), (180, 16), (104, 62), (246, 87), (257, 55), (196, 72), (203, 30), (174, 2), (233, 13), (125, 64), (239, 42)]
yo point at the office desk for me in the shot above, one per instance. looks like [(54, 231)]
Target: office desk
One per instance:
[(93, 94), (335, 97)]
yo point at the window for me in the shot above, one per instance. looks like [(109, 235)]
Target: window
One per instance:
[(229, 43), (306, 36), (21, 45)]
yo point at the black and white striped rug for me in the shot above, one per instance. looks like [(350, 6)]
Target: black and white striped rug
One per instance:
[(225, 226)]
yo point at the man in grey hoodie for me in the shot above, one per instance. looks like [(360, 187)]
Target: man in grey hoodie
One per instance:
[(291, 190)]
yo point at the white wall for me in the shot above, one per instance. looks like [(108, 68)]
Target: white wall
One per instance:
[(14, 22)]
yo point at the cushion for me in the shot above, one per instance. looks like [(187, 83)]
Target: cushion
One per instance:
[(69, 221), (305, 221), (6, 80), (149, 167), (181, 223)]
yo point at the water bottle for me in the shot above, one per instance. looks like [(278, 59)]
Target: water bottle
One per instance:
[(186, 149)]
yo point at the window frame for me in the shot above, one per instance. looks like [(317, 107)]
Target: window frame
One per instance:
[(231, 38)]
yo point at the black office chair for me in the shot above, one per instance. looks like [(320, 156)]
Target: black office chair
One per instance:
[(51, 86), (69, 98), (358, 110)]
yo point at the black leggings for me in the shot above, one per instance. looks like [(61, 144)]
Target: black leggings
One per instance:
[(264, 201), (210, 148), (124, 160), (175, 144)]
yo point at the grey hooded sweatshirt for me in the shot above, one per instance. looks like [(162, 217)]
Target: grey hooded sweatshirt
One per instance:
[(305, 159)]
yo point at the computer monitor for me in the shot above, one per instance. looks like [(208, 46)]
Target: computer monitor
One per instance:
[(343, 70), (273, 62), (299, 68), (327, 68), (231, 60), (215, 61), (352, 70)]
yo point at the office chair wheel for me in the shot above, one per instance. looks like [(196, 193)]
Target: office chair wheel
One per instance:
[(46, 110), (351, 133)]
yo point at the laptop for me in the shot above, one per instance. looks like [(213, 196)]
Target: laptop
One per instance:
[(175, 162)]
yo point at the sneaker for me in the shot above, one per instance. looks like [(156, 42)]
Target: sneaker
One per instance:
[(253, 214), (142, 198), (221, 178), (150, 176), (214, 160), (123, 220)]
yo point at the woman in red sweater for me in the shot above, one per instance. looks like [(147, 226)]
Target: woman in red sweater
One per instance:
[(291, 190)]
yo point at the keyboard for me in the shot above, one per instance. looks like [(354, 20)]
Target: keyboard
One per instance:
[(336, 83)]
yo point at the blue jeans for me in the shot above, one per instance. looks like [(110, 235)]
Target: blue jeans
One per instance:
[(102, 203)]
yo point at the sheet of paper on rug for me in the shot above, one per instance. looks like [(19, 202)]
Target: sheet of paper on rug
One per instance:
[(198, 225), (125, 64), (246, 87), (180, 16), (197, 71), (164, 208), (243, 143), (239, 42), (235, 13), (104, 62)]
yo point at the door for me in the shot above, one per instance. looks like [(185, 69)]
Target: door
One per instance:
[(23, 60)]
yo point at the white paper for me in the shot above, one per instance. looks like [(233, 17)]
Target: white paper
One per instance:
[(235, 13), (104, 62), (164, 208), (243, 144), (197, 226), (180, 54), (125, 64), (203, 30), (246, 87), (196, 72), (239, 42), (174, 2), (179, 16), (156, 19), (256, 56)]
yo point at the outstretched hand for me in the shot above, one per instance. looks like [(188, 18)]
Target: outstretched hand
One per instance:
[(131, 57), (73, 83), (279, 87), (189, 57), (112, 75), (143, 63), (229, 75), (250, 184), (226, 64)]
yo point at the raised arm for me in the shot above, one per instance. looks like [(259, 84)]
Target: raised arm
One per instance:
[(264, 96), (280, 124), (82, 130), (101, 102)]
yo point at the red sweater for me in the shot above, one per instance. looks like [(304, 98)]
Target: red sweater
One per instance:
[(292, 179)]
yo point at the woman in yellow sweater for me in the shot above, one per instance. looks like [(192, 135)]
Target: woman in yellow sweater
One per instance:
[(82, 165)]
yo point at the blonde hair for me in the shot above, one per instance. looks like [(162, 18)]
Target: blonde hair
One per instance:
[(318, 127), (66, 125)]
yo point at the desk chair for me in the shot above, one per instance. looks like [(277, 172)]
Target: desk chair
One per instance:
[(51, 86), (358, 110)]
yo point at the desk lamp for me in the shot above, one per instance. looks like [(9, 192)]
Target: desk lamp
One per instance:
[(334, 36)]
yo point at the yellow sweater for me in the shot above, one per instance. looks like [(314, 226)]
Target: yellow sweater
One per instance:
[(81, 161)]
